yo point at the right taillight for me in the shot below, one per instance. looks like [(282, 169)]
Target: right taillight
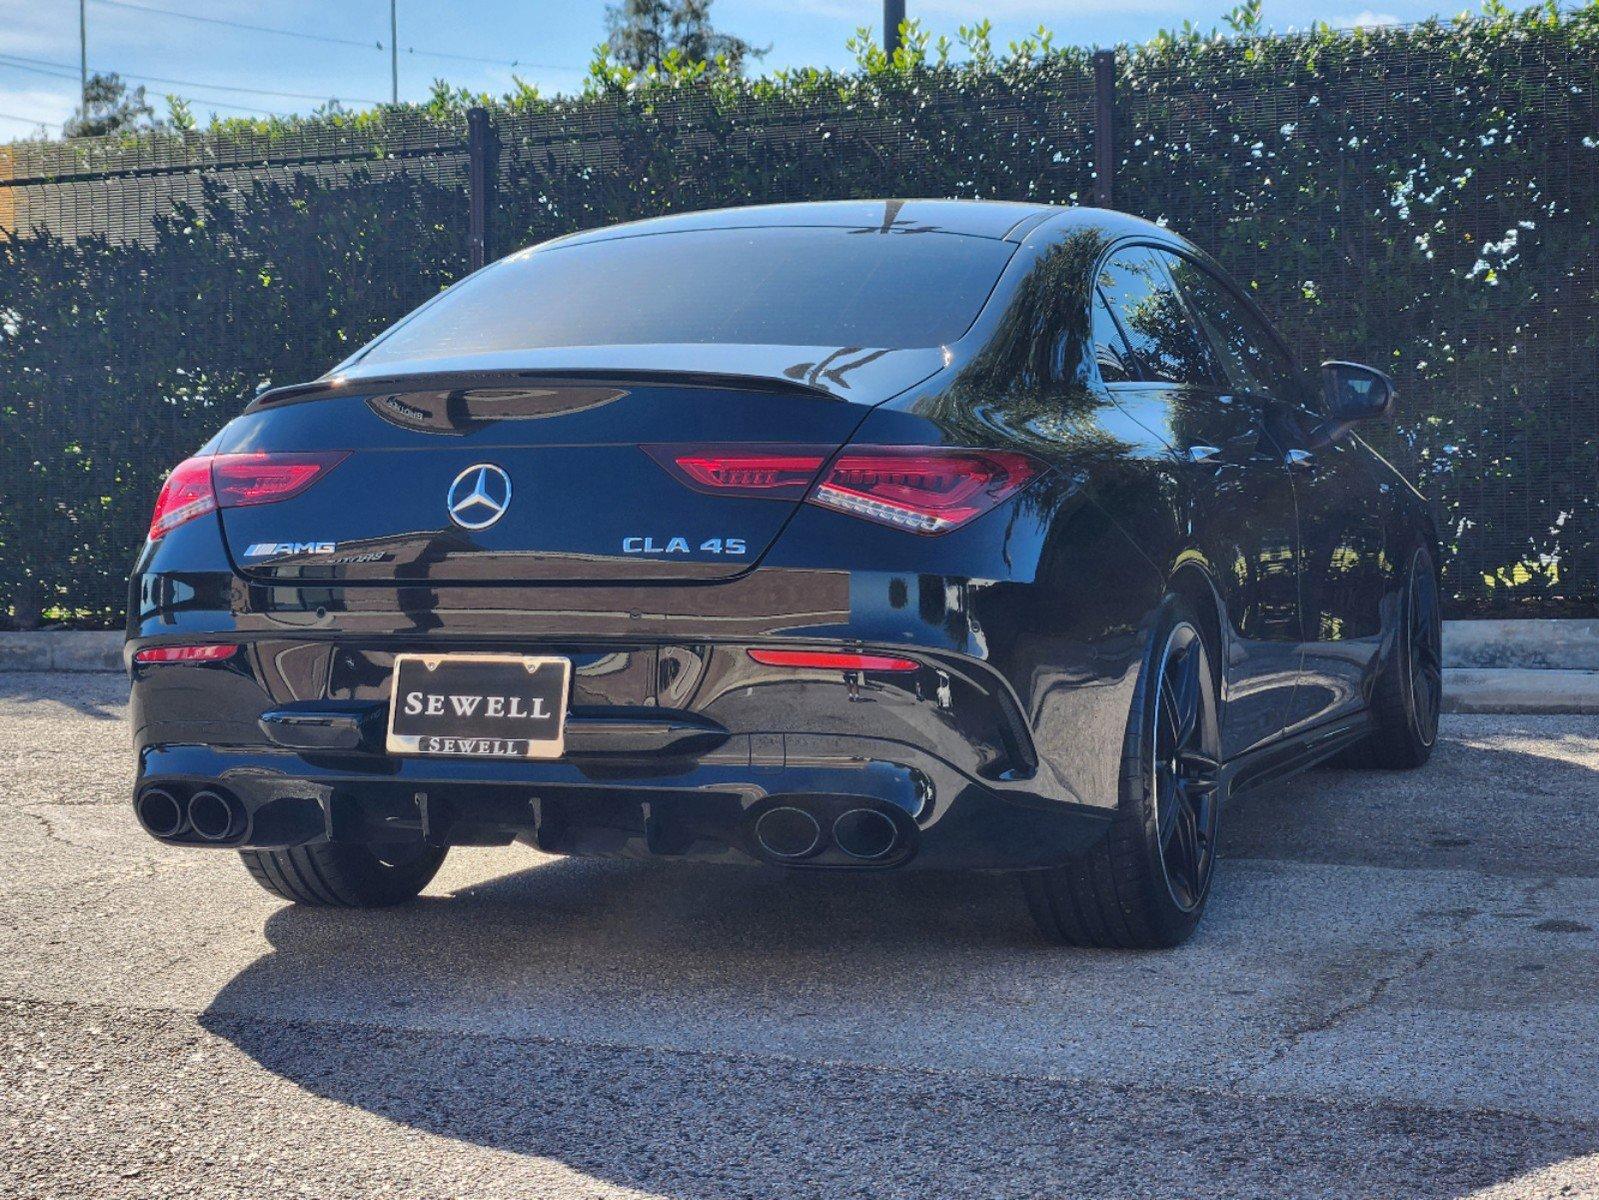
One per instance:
[(201, 485), (923, 489)]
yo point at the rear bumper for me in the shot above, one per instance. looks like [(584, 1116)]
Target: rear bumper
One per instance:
[(708, 808), (673, 749), (1002, 750)]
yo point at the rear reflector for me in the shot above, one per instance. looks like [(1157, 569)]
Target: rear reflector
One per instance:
[(825, 661), (201, 485), (923, 489), (215, 652)]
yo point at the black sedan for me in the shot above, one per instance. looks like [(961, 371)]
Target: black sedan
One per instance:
[(849, 536)]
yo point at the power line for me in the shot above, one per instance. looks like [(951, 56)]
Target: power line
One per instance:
[(19, 61), (5, 116), (392, 45), (294, 33), (202, 101), (494, 62)]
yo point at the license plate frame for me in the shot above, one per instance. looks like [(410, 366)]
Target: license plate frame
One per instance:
[(478, 733)]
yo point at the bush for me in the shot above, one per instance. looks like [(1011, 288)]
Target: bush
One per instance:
[(1422, 198)]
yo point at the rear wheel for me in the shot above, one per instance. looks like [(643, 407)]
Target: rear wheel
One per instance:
[(1144, 885), (1408, 695), (344, 876)]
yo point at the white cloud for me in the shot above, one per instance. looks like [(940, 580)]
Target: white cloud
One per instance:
[(1365, 19), (34, 104)]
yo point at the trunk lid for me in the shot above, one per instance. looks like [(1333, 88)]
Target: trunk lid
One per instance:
[(548, 474)]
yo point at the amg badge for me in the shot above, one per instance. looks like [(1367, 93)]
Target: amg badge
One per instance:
[(267, 549)]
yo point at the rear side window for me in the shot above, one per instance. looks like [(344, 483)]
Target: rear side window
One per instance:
[(1165, 343), (790, 287), (1248, 351), (1111, 352)]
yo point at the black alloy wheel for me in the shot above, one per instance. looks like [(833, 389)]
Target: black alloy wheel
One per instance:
[(1426, 656), (1407, 696), (1145, 883), (1185, 772)]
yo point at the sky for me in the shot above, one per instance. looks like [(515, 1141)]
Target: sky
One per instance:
[(231, 71)]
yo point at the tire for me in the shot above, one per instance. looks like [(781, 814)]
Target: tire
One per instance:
[(1145, 883), (1407, 696), (332, 875)]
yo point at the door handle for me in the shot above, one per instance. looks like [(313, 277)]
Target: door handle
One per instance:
[(1299, 460), (1204, 455)]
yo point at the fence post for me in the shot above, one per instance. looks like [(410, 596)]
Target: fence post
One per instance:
[(482, 166), (1104, 127)]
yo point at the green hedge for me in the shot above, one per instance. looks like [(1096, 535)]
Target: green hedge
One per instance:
[(1422, 198)]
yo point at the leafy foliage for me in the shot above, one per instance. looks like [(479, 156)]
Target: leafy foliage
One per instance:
[(110, 106), (643, 33), (1422, 198)]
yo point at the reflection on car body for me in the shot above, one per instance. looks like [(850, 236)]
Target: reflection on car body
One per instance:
[(876, 535)]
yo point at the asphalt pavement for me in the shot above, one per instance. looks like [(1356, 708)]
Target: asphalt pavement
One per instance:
[(1395, 993)]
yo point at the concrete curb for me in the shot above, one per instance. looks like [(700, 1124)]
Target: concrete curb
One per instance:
[(1561, 644), (62, 650), (1519, 690)]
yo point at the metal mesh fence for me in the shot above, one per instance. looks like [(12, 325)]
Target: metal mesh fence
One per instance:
[(1428, 203), (1423, 199)]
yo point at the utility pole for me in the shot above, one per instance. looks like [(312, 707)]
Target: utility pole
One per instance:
[(394, 52), (893, 18), (83, 52)]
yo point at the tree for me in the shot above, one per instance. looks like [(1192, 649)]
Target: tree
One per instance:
[(109, 106), (643, 32)]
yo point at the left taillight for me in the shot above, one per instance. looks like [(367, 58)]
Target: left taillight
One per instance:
[(201, 485), (185, 495)]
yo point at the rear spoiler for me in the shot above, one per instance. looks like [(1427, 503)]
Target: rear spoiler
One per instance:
[(449, 381), (859, 374)]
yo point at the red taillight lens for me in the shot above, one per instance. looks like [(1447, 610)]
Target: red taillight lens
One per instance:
[(828, 661), (185, 495), (262, 478), (922, 489), (925, 489), (201, 485), (214, 652), (769, 472)]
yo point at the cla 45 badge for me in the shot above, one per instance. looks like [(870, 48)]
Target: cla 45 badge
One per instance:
[(681, 545)]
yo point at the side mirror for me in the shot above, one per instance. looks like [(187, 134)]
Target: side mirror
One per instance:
[(1356, 393)]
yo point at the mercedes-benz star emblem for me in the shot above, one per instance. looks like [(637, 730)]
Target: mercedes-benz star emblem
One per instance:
[(479, 496)]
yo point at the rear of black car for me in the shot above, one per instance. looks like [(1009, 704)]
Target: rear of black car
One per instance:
[(611, 550)]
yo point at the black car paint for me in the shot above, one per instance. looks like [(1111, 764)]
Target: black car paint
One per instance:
[(1031, 622)]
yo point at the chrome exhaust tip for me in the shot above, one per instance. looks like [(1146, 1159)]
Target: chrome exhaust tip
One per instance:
[(865, 833), (215, 817), (788, 833), (160, 813)]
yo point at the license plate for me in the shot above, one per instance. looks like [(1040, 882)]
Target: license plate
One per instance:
[(479, 705)]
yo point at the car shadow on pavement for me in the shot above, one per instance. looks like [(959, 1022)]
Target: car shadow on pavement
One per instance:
[(101, 695), (689, 1031)]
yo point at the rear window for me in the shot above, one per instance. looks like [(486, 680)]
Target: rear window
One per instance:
[(785, 287)]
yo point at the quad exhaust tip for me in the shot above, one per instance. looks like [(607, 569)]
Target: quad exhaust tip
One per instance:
[(788, 832), (865, 833), (215, 817), (161, 814)]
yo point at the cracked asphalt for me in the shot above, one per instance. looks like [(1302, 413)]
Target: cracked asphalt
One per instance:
[(1396, 993)]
